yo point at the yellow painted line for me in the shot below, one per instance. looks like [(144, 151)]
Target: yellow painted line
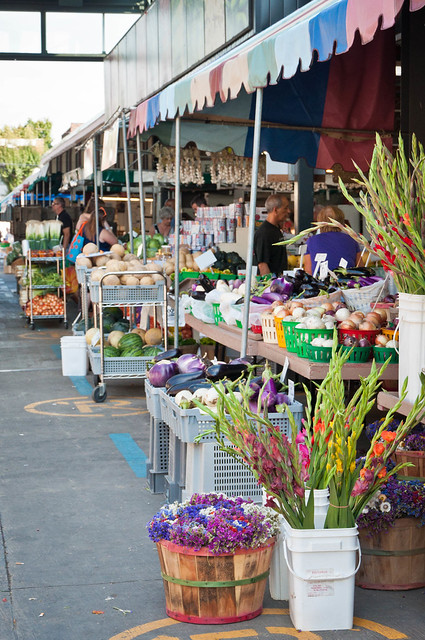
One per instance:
[(114, 407), (387, 632), (53, 335), (290, 631), (144, 628), (166, 638), (218, 635), (275, 612)]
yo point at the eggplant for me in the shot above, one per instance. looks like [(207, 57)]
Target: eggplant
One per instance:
[(184, 378), (231, 371), (260, 300), (198, 295), (206, 283), (187, 386), (168, 355)]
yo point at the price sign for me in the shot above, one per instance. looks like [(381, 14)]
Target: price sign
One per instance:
[(284, 370), (302, 249), (323, 270), (319, 257), (291, 391), (343, 263), (205, 260)]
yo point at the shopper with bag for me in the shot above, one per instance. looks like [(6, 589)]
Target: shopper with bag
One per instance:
[(106, 237)]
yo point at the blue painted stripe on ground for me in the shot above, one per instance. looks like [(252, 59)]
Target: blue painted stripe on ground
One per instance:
[(131, 452), (82, 385), (56, 348)]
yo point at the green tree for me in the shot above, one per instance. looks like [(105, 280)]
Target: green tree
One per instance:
[(17, 162)]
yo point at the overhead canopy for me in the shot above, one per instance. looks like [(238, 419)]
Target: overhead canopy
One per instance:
[(328, 115)]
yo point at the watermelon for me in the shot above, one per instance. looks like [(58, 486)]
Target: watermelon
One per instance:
[(131, 352), (108, 323), (111, 352), (151, 351), (130, 340), (121, 325), (115, 312)]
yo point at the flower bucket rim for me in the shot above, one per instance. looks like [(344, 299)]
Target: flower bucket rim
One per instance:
[(204, 551)]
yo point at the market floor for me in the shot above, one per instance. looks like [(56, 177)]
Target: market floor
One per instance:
[(74, 502)]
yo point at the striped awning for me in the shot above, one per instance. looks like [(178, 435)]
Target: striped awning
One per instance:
[(317, 31)]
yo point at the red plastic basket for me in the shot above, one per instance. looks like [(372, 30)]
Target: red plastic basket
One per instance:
[(358, 334), (256, 328)]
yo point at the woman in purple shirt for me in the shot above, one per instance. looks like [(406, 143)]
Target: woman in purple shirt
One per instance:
[(335, 243)]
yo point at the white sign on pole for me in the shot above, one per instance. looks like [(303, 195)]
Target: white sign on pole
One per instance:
[(205, 260), (88, 159), (110, 146)]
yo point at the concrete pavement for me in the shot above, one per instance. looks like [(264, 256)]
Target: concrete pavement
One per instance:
[(76, 561)]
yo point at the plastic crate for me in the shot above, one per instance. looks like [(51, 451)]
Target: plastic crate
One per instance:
[(83, 273), (217, 313), (269, 328), (280, 333), (389, 333), (358, 354), (238, 324), (305, 336), (319, 354), (381, 354), (120, 294), (159, 440), (186, 424), (290, 335), (118, 367), (176, 474), (153, 403)]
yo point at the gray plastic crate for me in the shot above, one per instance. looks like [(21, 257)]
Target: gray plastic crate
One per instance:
[(159, 440), (153, 402), (175, 478), (120, 294), (118, 367)]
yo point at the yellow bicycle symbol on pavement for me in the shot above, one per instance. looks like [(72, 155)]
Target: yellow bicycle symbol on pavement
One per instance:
[(269, 631), (83, 407)]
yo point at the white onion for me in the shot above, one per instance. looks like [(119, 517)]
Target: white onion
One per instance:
[(298, 312), (392, 344), (342, 314)]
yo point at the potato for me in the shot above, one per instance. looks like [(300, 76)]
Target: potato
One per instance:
[(169, 269), (157, 277), (118, 249), (90, 248)]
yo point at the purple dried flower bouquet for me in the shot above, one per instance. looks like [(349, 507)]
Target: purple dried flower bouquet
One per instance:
[(215, 521)]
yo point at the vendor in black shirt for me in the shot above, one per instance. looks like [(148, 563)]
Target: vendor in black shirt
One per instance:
[(270, 258), (58, 206)]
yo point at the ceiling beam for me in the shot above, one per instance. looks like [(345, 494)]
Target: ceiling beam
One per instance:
[(53, 57), (78, 6)]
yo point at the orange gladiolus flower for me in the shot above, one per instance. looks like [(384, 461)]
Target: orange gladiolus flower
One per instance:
[(388, 436), (382, 473), (378, 448)]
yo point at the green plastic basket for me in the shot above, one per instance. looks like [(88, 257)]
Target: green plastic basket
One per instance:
[(318, 354), (358, 354), (290, 336), (217, 315), (381, 354), (305, 336), (238, 324)]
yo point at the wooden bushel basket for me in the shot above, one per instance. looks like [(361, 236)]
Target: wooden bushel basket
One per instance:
[(416, 457), (213, 589), (394, 559)]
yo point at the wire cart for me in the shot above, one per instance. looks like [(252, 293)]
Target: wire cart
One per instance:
[(60, 267), (125, 296)]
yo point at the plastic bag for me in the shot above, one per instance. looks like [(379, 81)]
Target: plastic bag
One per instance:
[(203, 310)]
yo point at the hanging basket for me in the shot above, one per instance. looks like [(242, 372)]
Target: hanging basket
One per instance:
[(213, 589)]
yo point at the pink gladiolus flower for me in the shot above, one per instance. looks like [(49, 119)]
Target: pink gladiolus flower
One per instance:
[(360, 487)]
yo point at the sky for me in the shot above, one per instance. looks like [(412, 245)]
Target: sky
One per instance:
[(63, 92)]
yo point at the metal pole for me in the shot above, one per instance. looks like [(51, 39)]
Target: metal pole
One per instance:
[(50, 190), (252, 202), (127, 180), (43, 192), (96, 195), (141, 196), (177, 236)]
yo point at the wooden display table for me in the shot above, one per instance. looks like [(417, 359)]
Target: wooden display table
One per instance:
[(230, 336)]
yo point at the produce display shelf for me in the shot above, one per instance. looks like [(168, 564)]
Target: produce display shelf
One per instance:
[(46, 317), (48, 286), (127, 295), (46, 259)]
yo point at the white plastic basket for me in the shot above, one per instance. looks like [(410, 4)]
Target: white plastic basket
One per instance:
[(361, 299), (153, 403), (120, 294), (269, 328)]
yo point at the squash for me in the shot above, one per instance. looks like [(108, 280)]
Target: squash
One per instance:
[(83, 261), (113, 265), (129, 257), (96, 274), (90, 247), (90, 333), (130, 281), (140, 332), (114, 338), (100, 261), (153, 336), (147, 281), (157, 277), (111, 281), (118, 249)]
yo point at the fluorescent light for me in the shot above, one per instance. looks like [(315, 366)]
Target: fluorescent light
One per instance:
[(329, 170), (118, 199), (398, 69), (148, 199)]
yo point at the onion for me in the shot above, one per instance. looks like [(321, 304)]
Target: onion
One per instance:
[(188, 363), (367, 326), (161, 372), (350, 341), (392, 344), (342, 314), (348, 324), (298, 312), (364, 342), (281, 312), (327, 306), (381, 340)]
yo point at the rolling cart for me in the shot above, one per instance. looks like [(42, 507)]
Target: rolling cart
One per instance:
[(132, 296), (60, 266)]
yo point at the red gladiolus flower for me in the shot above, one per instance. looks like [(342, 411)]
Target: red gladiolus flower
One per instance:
[(382, 473), (378, 448), (388, 436)]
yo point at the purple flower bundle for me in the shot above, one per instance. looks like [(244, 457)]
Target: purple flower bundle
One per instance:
[(396, 499), (211, 520), (414, 442)]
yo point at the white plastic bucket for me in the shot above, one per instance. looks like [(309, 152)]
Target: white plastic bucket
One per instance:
[(279, 573), (411, 342), (322, 567), (74, 355), (321, 505)]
